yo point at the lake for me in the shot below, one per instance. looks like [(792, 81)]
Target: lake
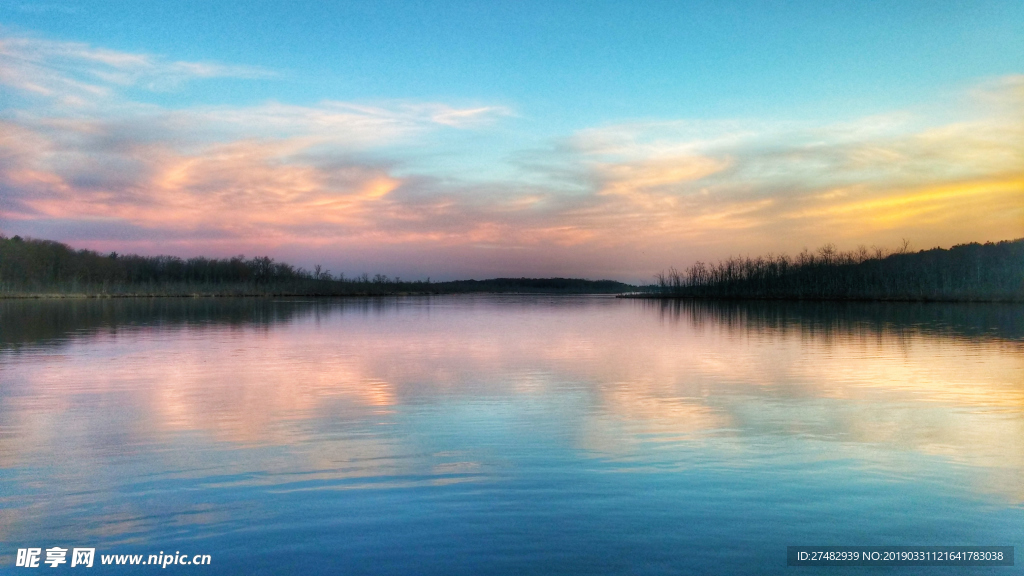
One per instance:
[(506, 434)]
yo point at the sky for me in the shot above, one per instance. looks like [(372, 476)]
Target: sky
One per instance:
[(484, 139)]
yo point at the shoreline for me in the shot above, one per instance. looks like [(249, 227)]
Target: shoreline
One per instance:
[(660, 297), (281, 295), (1017, 300)]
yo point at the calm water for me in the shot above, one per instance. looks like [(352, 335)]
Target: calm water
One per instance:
[(507, 435)]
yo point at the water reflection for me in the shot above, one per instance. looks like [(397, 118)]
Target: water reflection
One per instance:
[(982, 321), (136, 421), (52, 321), (938, 379)]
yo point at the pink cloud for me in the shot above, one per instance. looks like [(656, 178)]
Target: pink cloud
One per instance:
[(333, 181)]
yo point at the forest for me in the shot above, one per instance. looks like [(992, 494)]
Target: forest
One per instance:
[(990, 272), (33, 267)]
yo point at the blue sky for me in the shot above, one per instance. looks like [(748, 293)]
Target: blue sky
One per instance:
[(512, 117), (574, 64)]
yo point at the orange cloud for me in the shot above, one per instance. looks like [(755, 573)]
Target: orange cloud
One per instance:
[(624, 200)]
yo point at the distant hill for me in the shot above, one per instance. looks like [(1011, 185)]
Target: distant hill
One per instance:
[(987, 272), (538, 285), (30, 267)]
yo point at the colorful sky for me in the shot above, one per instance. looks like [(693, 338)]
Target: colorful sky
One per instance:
[(482, 139)]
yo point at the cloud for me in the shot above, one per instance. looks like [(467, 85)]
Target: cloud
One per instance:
[(767, 186), (344, 124), (76, 73), (621, 200)]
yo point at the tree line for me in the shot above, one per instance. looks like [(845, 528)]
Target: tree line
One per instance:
[(44, 266), (965, 272), (35, 267)]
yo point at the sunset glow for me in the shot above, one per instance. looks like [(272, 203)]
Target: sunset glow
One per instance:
[(139, 150)]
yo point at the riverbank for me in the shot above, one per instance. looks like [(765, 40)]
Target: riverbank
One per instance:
[(328, 289), (922, 300), (32, 268), (990, 272)]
